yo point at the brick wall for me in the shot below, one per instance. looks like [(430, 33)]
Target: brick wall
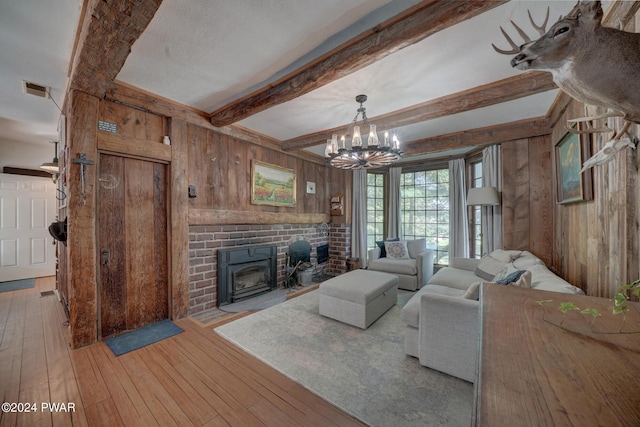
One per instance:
[(205, 239)]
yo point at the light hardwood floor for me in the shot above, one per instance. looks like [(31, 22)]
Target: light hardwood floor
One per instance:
[(194, 378)]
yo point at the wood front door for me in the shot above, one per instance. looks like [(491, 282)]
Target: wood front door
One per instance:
[(132, 243)]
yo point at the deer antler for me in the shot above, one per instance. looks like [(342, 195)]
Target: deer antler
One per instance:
[(590, 123), (541, 29)]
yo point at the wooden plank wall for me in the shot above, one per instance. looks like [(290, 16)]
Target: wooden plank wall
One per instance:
[(220, 171), (527, 196), (596, 242)]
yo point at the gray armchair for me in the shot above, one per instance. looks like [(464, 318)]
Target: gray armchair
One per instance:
[(414, 272)]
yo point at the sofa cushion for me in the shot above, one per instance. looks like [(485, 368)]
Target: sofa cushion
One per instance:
[(397, 250), (488, 268), (454, 278), (416, 247), (543, 279), (473, 293), (505, 256), (396, 266), (527, 260), (410, 313), (383, 251)]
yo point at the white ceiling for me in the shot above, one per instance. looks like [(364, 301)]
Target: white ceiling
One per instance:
[(207, 54), (36, 39)]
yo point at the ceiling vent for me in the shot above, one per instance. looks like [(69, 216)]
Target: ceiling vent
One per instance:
[(35, 89)]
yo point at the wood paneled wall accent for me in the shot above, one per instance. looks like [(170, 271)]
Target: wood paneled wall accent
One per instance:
[(596, 242), (179, 221), (81, 238), (527, 196), (220, 170), (146, 101)]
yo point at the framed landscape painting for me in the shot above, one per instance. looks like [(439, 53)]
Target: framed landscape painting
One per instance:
[(272, 185), (571, 152)]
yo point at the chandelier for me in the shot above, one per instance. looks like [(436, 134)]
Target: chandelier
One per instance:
[(362, 154)]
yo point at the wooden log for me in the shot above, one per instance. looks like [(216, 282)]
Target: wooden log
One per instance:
[(107, 32), (81, 202), (507, 132), (212, 216), (179, 221)]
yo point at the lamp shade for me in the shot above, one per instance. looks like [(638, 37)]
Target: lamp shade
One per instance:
[(483, 196)]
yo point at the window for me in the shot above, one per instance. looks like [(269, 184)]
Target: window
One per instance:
[(476, 213), (375, 208), (425, 209)]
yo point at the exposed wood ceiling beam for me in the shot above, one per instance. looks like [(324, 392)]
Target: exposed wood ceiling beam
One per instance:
[(108, 30), (508, 89), (427, 18), (482, 136)]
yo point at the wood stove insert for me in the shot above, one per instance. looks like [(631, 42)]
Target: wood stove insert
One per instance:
[(245, 272)]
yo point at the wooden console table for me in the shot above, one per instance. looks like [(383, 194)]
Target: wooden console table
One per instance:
[(535, 373)]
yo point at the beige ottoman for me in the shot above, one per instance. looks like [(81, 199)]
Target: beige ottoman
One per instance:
[(358, 297)]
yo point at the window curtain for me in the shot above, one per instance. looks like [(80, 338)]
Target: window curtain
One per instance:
[(458, 218), (359, 217), (394, 222), (492, 215)]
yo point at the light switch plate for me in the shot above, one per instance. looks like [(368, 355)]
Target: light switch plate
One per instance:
[(311, 187)]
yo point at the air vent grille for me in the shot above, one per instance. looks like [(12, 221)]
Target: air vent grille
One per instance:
[(35, 89)]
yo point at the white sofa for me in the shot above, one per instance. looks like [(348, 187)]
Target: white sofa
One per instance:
[(413, 272), (442, 319)]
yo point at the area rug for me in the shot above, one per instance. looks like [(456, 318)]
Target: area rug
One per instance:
[(142, 337), (14, 285), (266, 300), (365, 373)]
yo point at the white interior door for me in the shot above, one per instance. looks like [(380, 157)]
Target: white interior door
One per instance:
[(27, 208)]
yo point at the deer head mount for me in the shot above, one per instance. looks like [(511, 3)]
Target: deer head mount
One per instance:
[(593, 64)]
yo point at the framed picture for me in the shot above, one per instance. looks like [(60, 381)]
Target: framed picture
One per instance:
[(272, 185), (571, 152)]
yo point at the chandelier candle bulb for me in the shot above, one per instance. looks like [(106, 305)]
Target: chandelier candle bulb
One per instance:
[(373, 136), (386, 139), (357, 139), (328, 149), (334, 144), (343, 143), (396, 142)]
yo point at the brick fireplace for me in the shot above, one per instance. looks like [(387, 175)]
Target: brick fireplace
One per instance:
[(205, 240)]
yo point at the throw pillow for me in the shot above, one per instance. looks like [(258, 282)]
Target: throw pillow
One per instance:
[(488, 268), (515, 279), (397, 250), (502, 273), (524, 281), (383, 251), (473, 292)]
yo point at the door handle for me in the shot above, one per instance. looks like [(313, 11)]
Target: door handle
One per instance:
[(105, 257)]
